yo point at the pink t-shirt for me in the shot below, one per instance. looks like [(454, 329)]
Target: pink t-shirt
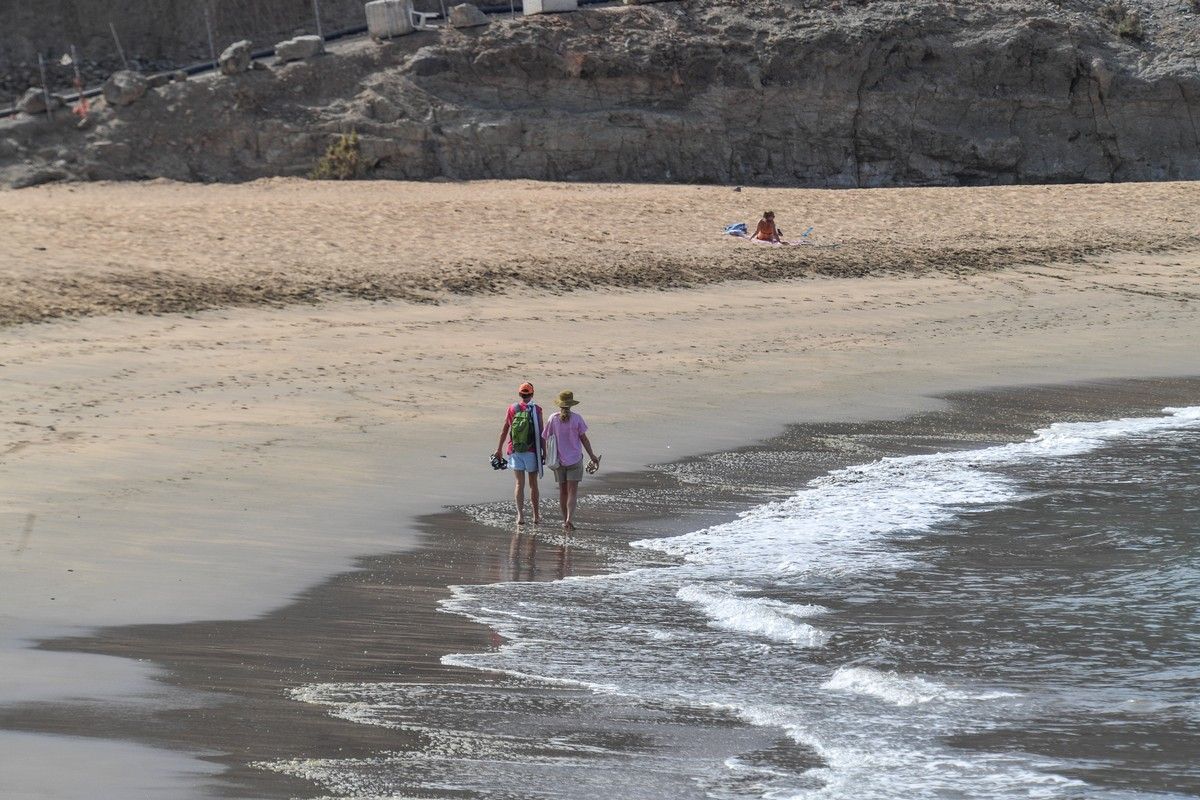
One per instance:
[(512, 412), (570, 448)]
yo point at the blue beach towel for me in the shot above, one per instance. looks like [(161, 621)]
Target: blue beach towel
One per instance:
[(737, 229)]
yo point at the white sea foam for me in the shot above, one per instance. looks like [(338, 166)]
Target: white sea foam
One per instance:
[(838, 520), (775, 620), (899, 690), (887, 686), (879, 733)]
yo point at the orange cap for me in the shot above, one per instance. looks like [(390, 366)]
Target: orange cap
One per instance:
[(525, 388)]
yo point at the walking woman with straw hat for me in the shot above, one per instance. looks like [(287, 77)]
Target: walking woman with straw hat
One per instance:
[(569, 433)]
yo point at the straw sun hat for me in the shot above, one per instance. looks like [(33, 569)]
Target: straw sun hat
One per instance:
[(566, 399)]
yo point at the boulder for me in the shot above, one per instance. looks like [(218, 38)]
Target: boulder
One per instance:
[(36, 176), (235, 58), (428, 61), (549, 6), (388, 18), (124, 87), (467, 16), (298, 48), (34, 101)]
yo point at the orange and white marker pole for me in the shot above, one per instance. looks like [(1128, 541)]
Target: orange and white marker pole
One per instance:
[(81, 107)]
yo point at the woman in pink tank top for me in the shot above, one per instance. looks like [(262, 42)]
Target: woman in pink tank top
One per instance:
[(570, 435)]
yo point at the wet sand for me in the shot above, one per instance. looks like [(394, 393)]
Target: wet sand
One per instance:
[(381, 622)]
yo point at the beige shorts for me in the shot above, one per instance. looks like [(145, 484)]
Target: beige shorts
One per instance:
[(571, 473)]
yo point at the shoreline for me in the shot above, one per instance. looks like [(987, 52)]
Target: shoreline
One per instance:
[(173, 457), (317, 639)]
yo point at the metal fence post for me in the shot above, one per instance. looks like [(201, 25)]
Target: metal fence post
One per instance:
[(317, 14), (15, 97), (212, 50), (120, 50), (45, 89)]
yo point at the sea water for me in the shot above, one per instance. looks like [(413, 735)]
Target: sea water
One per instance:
[(1013, 621)]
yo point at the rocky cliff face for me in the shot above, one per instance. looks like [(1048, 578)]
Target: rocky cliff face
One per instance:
[(770, 91)]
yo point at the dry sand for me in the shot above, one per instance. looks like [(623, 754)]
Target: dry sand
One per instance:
[(211, 465), (160, 246)]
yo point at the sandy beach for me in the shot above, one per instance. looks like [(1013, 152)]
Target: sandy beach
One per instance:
[(161, 246), (286, 407)]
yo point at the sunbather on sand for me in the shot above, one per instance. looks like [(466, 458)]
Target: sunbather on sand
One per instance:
[(766, 231)]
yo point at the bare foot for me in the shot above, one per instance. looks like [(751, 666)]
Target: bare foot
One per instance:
[(568, 526), (520, 520), (537, 520)]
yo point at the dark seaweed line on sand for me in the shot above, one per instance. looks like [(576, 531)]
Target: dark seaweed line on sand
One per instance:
[(163, 292)]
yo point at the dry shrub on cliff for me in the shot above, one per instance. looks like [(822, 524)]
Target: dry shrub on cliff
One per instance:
[(342, 161), (1126, 22)]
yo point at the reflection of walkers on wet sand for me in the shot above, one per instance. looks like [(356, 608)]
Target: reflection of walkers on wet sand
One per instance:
[(523, 557), (566, 439), (523, 566), (522, 424)]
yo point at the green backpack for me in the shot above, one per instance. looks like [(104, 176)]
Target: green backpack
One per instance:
[(523, 429)]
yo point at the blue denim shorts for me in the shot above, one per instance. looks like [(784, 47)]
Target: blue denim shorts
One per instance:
[(523, 462)]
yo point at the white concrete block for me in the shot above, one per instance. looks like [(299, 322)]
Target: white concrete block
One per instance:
[(549, 6), (388, 18)]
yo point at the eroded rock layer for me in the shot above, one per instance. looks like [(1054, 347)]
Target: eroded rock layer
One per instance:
[(769, 92)]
